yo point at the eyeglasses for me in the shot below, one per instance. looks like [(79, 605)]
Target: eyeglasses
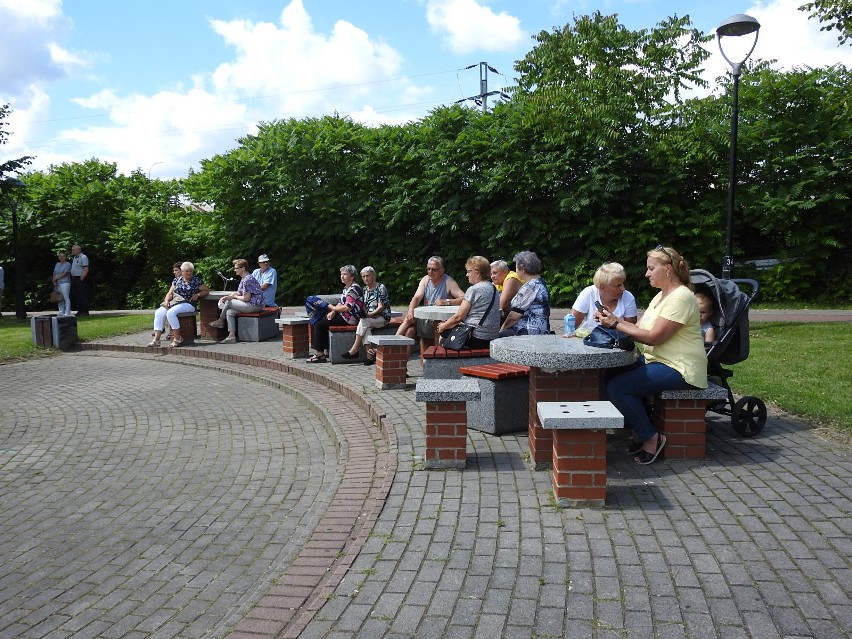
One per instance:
[(433, 268), (662, 248)]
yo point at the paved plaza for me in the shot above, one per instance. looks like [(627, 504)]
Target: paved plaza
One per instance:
[(223, 491)]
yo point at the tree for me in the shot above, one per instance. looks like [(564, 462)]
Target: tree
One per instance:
[(835, 14), (10, 166)]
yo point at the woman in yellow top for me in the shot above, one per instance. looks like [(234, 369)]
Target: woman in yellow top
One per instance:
[(669, 337)]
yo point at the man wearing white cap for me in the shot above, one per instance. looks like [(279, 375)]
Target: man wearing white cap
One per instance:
[(268, 278)]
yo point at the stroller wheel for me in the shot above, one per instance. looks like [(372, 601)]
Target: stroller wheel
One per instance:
[(748, 416)]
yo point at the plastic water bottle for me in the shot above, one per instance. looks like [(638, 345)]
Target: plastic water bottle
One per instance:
[(569, 325)]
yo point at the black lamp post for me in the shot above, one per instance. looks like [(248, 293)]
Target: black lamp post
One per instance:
[(738, 25), (7, 185)]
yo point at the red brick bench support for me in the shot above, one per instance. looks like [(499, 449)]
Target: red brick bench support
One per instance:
[(579, 449), (391, 360), (295, 335), (560, 386), (188, 327), (446, 419), (681, 415), (504, 407)]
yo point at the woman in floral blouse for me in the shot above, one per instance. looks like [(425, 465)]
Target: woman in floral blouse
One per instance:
[(248, 298), (182, 297)]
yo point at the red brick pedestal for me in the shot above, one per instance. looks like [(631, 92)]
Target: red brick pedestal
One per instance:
[(295, 336), (562, 386), (579, 449), (682, 421), (391, 360), (446, 419)]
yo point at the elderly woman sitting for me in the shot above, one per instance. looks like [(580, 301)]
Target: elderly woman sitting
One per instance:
[(348, 310), (608, 290), (182, 297), (377, 313), (529, 313), (248, 298), (480, 307)]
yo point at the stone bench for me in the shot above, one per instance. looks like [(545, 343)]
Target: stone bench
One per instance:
[(579, 449), (681, 415), (442, 363), (259, 326), (504, 407), (391, 359), (341, 339), (446, 419)]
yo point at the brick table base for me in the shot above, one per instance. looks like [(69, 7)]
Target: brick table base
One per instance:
[(446, 419)]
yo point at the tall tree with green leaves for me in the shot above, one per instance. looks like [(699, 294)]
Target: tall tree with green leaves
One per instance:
[(834, 14)]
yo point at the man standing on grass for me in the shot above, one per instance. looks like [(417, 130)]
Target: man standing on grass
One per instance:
[(79, 273)]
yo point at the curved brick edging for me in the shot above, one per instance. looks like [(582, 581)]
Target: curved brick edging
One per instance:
[(300, 591)]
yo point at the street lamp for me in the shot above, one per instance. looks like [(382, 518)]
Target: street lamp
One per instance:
[(737, 25), (6, 185)]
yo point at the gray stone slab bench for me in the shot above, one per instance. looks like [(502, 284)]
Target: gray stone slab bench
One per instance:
[(442, 363), (446, 419), (259, 326), (504, 407), (579, 449), (681, 415), (341, 339)]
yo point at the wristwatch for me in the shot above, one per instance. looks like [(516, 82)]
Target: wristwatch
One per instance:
[(616, 323)]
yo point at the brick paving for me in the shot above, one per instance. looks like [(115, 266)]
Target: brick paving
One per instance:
[(223, 491)]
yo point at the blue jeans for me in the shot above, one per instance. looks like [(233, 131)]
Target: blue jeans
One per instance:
[(626, 391)]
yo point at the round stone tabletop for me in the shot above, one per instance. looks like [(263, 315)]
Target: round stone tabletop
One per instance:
[(437, 313), (557, 353)]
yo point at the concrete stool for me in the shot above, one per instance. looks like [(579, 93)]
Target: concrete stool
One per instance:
[(295, 335), (446, 419), (188, 327), (391, 359), (579, 449)]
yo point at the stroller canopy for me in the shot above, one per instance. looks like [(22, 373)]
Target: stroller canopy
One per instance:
[(730, 316)]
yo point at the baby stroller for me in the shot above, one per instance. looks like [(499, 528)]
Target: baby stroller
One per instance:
[(730, 317)]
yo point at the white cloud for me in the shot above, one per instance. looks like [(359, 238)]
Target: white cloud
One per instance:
[(293, 65), (29, 51), (468, 26), (786, 36)]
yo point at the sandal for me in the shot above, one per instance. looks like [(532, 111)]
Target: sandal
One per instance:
[(154, 343), (317, 359), (348, 355), (217, 324), (176, 342), (634, 447), (228, 340), (645, 458)]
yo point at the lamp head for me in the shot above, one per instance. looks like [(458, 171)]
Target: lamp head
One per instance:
[(738, 25)]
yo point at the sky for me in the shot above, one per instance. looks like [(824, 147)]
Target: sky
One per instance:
[(157, 86)]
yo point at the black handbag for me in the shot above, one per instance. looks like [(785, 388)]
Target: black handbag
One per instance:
[(455, 338), (602, 337)]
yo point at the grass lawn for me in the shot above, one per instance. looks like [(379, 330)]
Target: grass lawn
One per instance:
[(804, 369), (16, 341)]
